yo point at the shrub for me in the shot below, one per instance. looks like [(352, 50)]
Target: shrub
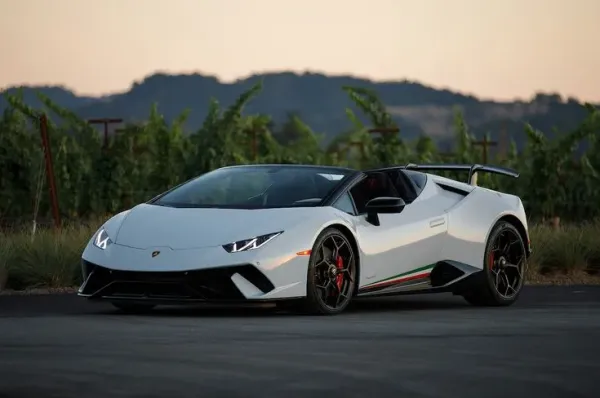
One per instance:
[(567, 250), (49, 259), (559, 171)]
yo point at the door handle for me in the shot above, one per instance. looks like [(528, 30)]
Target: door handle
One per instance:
[(437, 222)]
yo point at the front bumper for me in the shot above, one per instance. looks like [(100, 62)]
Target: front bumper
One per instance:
[(204, 285)]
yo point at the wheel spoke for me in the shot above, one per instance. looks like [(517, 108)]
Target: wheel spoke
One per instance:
[(336, 247), (508, 284), (505, 247), (516, 267), (340, 298), (321, 263), (348, 274), (322, 253), (324, 289), (350, 258), (497, 280), (339, 245)]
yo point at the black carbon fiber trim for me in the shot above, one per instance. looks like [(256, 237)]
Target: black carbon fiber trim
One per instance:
[(446, 276), (452, 189), (212, 284)]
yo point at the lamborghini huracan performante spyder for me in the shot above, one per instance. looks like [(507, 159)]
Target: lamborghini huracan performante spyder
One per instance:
[(312, 238)]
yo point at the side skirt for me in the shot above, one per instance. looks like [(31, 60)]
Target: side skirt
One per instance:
[(441, 277)]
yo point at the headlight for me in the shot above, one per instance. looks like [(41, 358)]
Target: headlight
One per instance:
[(250, 244), (101, 241)]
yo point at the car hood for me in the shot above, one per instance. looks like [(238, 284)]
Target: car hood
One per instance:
[(149, 226)]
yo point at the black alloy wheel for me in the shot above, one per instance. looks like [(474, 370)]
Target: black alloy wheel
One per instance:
[(503, 275), (331, 273)]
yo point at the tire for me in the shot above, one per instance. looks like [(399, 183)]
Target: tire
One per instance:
[(331, 282), (499, 267), (134, 308)]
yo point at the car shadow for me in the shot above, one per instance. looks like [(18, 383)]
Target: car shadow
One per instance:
[(19, 306), (359, 306)]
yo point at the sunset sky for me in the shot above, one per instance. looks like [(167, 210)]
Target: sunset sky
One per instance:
[(501, 49)]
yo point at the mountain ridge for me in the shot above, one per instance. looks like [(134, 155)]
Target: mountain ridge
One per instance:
[(319, 100)]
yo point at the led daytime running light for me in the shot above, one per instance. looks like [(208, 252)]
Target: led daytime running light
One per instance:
[(250, 244), (102, 241)]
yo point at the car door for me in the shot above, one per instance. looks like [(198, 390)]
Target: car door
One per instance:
[(404, 247)]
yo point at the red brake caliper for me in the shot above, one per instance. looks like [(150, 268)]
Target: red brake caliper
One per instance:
[(491, 260), (340, 276)]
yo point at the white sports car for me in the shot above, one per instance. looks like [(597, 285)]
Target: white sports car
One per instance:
[(312, 236)]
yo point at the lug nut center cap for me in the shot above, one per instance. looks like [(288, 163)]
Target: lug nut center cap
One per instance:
[(502, 262)]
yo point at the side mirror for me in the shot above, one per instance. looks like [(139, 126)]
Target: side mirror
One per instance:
[(383, 205)]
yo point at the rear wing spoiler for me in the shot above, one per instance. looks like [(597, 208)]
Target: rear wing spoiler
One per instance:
[(471, 168)]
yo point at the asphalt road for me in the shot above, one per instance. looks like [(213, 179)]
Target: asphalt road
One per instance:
[(547, 345)]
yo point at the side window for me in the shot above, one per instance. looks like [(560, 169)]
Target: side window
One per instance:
[(375, 185), (408, 183), (418, 178), (345, 204)]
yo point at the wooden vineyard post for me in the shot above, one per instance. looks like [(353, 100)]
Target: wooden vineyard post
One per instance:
[(105, 122), (485, 143), (504, 144), (254, 144), (384, 130), (49, 170)]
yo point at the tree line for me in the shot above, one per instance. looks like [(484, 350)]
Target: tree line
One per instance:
[(97, 178)]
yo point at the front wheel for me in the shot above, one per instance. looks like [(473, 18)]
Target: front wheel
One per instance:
[(331, 274), (503, 274)]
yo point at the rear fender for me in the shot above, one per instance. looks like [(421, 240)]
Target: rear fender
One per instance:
[(471, 221)]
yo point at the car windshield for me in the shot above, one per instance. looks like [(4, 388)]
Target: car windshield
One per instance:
[(257, 187)]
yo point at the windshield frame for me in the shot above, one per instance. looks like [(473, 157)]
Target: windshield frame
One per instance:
[(349, 174)]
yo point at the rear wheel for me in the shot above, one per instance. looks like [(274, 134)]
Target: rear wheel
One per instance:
[(503, 275), (331, 274), (134, 308)]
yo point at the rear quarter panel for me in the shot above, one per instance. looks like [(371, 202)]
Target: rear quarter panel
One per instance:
[(471, 220)]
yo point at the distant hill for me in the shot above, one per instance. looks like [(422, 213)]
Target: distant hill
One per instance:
[(320, 102)]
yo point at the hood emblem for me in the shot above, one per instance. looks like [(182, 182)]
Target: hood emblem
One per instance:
[(155, 253)]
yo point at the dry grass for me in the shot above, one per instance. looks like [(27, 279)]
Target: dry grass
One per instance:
[(51, 259), (50, 262), (571, 252)]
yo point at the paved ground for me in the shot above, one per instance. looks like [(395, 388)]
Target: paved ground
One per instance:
[(547, 345)]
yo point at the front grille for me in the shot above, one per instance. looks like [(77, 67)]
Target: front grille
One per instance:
[(208, 284)]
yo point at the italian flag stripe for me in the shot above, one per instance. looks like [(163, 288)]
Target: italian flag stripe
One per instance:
[(418, 273)]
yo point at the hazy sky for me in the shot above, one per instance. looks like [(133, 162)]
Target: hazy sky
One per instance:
[(493, 48)]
